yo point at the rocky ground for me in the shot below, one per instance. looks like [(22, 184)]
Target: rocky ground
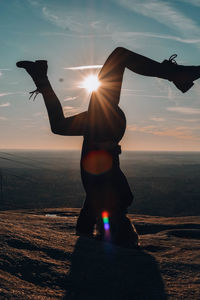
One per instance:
[(42, 258)]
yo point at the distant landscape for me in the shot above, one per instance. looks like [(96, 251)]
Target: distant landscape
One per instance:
[(164, 183)]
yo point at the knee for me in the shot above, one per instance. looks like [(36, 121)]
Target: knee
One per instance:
[(56, 130), (120, 50)]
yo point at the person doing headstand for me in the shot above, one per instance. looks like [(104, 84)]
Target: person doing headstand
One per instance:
[(103, 126)]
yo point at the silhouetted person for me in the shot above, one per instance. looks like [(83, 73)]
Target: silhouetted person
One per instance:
[(102, 127)]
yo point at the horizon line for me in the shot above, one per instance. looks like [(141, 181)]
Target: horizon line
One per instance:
[(76, 149)]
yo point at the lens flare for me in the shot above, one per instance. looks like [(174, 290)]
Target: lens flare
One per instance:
[(105, 217), (97, 162), (91, 83)]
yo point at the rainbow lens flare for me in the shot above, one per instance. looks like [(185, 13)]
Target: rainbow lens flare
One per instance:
[(105, 217), (97, 162)]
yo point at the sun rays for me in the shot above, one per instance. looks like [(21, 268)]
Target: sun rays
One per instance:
[(91, 83)]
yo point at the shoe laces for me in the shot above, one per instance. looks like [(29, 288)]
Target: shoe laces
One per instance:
[(36, 92), (172, 59)]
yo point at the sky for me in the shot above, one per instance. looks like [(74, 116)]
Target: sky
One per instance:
[(72, 34)]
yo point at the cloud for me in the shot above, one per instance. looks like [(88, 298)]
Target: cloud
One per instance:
[(70, 98), (147, 128), (123, 36), (125, 93), (3, 119), (5, 104), (66, 22), (1, 73), (162, 12), (75, 22), (84, 67), (34, 3), (81, 35), (191, 2), (62, 18), (5, 94), (190, 120), (70, 110), (131, 90), (39, 114), (185, 110), (24, 119), (157, 119), (179, 132)]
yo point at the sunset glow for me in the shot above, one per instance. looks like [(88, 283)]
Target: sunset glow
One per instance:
[(77, 37)]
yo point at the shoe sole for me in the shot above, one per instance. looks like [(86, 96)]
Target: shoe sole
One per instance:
[(26, 64), (184, 86)]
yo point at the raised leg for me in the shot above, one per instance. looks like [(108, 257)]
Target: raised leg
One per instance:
[(112, 72), (72, 126)]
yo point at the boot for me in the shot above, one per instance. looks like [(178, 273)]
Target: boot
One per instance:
[(181, 76), (38, 72), (85, 224), (120, 232)]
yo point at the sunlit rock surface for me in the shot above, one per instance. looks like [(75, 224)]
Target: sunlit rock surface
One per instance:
[(42, 258)]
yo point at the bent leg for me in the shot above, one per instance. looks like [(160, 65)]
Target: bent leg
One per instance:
[(111, 74), (121, 58), (71, 126), (74, 125)]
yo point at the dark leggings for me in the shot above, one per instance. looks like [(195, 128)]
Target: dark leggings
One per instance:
[(103, 123), (111, 76)]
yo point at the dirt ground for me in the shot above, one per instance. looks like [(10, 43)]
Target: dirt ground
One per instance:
[(42, 258)]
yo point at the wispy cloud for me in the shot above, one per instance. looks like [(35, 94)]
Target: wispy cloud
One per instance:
[(162, 12), (131, 90), (1, 73), (190, 120), (84, 67), (122, 36), (63, 21), (24, 119), (79, 36), (75, 22), (191, 2), (39, 114), (70, 98), (156, 119), (180, 132), (133, 93), (70, 110), (34, 3), (5, 94), (185, 110), (3, 118), (5, 104)]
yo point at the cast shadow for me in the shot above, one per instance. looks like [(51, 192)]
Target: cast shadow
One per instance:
[(104, 271)]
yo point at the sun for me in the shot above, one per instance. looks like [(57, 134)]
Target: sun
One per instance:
[(91, 83)]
